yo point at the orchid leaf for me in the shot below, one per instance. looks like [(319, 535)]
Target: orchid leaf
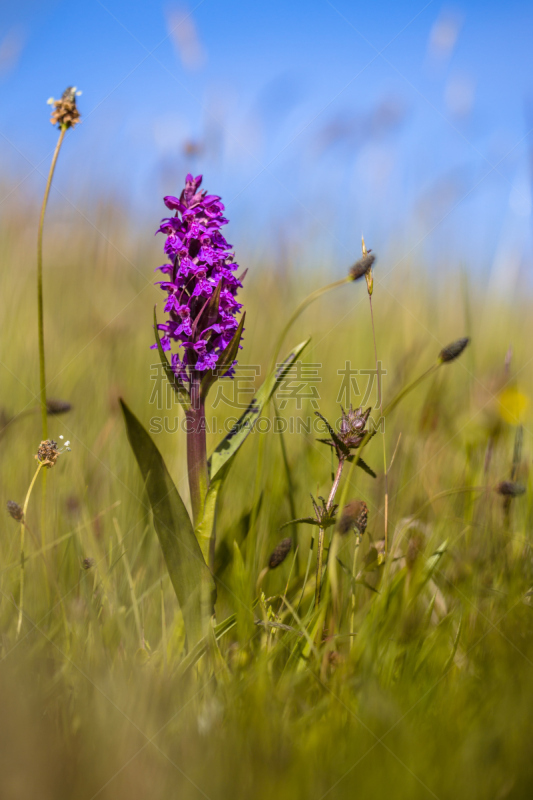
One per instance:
[(190, 576), (235, 438)]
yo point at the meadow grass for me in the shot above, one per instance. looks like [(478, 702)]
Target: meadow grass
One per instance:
[(416, 682)]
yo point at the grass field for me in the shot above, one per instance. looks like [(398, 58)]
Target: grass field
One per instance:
[(416, 680)]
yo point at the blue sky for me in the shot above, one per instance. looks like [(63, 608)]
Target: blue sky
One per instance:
[(315, 121)]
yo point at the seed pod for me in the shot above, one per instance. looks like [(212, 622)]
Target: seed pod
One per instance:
[(453, 350), (57, 406), (15, 510), (65, 113), (362, 266), (510, 489), (48, 453), (354, 515), (280, 553)]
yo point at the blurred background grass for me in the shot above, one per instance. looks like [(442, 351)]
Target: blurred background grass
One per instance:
[(430, 698)]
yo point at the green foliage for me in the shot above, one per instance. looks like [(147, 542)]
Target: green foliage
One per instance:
[(188, 571)]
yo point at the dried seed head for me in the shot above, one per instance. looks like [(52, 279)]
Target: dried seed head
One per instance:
[(65, 113), (362, 266), (354, 517), (88, 563), (280, 553), (57, 406), (453, 350), (510, 489), (15, 510), (48, 453)]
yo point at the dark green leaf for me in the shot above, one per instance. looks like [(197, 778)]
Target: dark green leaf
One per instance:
[(192, 581)]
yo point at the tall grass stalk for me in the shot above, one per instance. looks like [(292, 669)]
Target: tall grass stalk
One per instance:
[(40, 316), (370, 288)]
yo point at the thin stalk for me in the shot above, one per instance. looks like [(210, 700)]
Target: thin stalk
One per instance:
[(40, 319), (380, 403), (319, 560), (22, 531), (320, 547), (308, 568), (354, 565), (197, 451)]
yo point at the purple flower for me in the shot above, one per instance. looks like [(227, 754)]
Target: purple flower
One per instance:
[(201, 261)]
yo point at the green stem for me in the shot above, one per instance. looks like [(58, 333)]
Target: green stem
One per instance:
[(40, 319), (380, 403), (22, 531), (320, 547)]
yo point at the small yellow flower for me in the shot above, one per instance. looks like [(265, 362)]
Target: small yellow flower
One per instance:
[(512, 405)]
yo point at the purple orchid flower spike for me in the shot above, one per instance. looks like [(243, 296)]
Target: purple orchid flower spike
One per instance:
[(201, 269), (201, 333)]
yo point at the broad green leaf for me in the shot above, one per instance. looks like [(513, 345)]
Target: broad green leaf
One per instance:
[(192, 581), (177, 385), (235, 438)]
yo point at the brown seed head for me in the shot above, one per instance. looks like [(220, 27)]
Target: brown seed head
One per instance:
[(88, 563), (57, 406), (65, 113), (15, 510), (453, 350), (362, 266), (47, 453), (280, 553), (510, 489), (354, 517)]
